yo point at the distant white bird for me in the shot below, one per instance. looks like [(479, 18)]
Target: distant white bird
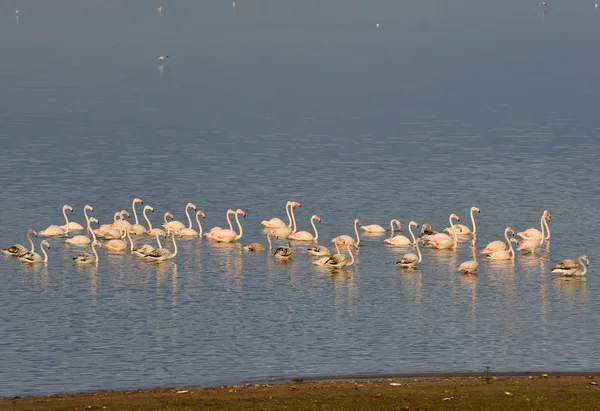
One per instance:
[(234, 4), (377, 25), (543, 3), (163, 57), (159, 9), (596, 5), (17, 11)]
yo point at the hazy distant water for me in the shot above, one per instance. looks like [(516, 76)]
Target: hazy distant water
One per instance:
[(443, 107)]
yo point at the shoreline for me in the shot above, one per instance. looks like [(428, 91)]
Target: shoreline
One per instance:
[(506, 390)]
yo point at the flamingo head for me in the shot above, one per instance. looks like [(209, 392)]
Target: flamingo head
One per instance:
[(125, 213), (547, 215), (94, 220), (200, 212), (297, 204), (67, 207), (190, 205), (240, 211), (414, 224), (316, 217), (454, 216), (138, 200), (45, 243), (357, 221), (168, 214), (88, 207), (475, 209), (511, 231)]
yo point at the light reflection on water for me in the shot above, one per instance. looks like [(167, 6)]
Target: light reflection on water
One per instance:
[(352, 126)]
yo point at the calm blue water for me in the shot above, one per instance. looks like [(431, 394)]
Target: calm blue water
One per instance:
[(445, 106)]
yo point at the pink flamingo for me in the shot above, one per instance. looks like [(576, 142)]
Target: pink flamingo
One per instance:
[(410, 260), (215, 230), (469, 267), (503, 254), (400, 240), (462, 229), (444, 241), (498, 244), (54, 230), (82, 240), (305, 235), (346, 239), (534, 233), (189, 231), (284, 232), (277, 222), (228, 236), (137, 228), (530, 245)]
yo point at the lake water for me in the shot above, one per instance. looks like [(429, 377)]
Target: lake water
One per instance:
[(444, 106)]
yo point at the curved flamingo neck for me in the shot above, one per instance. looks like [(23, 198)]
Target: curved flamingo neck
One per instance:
[(94, 251), (158, 240), (511, 250), (547, 228), (293, 219), (414, 241), (506, 236), (29, 232), (199, 225), (117, 215), (473, 222), (582, 266), (66, 221), (351, 257), (237, 220), (418, 253), (312, 222), (165, 217), (45, 260), (473, 250), (356, 232), (229, 212), (147, 219), (269, 240), (174, 246), (87, 219), (288, 205), (187, 213), (392, 225), (454, 235), (135, 213), (543, 229), (130, 242)]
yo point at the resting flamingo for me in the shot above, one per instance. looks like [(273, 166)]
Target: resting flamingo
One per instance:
[(146, 248), (54, 230), (189, 231), (444, 241), (72, 225), (534, 233), (340, 260), (162, 254), (462, 229), (374, 228), (32, 257), (87, 258), (570, 268), (400, 240), (410, 260), (471, 266), (18, 250), (277, 222), (346, 239), (137, 228), (530, 245), (215, 230), (498, 244), (284, 232), (503, 254), (305, 235), (319, 251), (118, 244), (82, 240), (253, 247), (228, 236)]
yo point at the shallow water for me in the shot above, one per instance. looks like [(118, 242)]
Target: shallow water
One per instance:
[(441, 108)]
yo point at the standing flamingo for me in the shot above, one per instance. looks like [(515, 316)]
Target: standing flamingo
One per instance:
[(498, 244), (470, 267), (189, 231), (284, 232), (18, 250), (530, 245), (33, 257), (346, 239), (137, 228), (227, 236), (277, 222), (462, 229), (534, 233), (444, 241), (54, 230), (400, 240), (72, 225), (503, 254), (305, 235), (410, 260), (570, 268), (215, 230)]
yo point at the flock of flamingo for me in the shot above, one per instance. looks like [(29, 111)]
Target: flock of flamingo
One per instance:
[(117, 237)]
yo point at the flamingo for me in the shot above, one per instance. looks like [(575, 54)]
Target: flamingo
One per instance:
[(503, 254), (570, 268), (284, 232), (401, 240), (82, 240), (163, 57), (18, 250), (174, 225), (530, 245), (462, 229), (426, 232), (319, 251), (73, 226), (469, 267), (32, 257), (498, 244), (121, 222), (543, 3), (346, 239), (444, 241), (277, 222), (305, 235), (215, 230), (54, 230), (137, 228), (189, 231), (375, 228), (87, 258), (410, 260), (283, 253), (340, 260), (118, 244), (228, 236), (162, 254), (108, 228), (254, 247), (534, 233), (145, 249), (152, 231)]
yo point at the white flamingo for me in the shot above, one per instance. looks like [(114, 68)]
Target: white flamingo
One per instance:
[(534, 233), (162, 254), (444, 241), (227, 236), (284, 232), (215, 230), (498, 244), (55, 230), (503, 254), (152, 231), (108, 228), (530, 245), (570, 268), (462, 229), (277, 222), (305, 235), (410, 260), (374, 228), (33, 257), (82, 240), (18, 250), (346, 239), (72, 225), (175, 225), (400, 240), (118, 244), (471, 266), (340, 260), (189, 231), (87, 258), (121, 222), (137, 228)]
